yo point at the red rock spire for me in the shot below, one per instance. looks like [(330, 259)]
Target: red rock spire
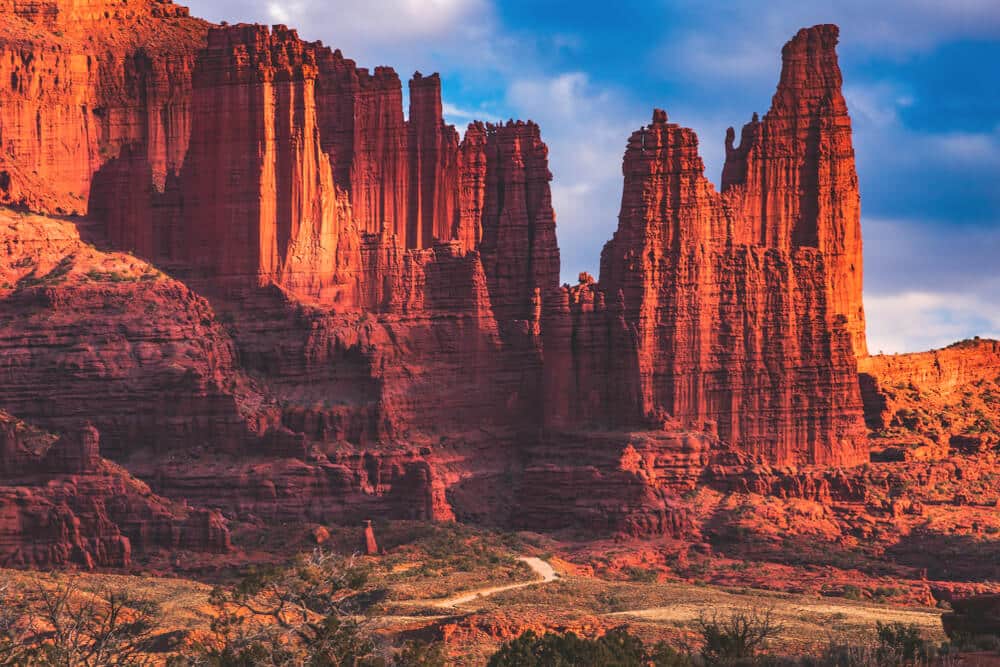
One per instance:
[(737, 299), (518, 244), (433, 164), (793, 176)]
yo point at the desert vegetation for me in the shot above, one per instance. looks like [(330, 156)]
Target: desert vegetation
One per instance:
[(739, 639)]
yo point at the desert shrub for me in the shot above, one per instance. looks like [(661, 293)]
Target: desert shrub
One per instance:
[(849, 654), (62, 625), (891, 645), (617, 648), (852, 592), (611, 601), (642, 575), (900, 644), (882, 593), (665, 655), (302, 614), (738, 639), (110, 276), (989, 643), (422, 654)]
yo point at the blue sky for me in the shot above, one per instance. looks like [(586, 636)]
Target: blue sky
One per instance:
[(922, 81)]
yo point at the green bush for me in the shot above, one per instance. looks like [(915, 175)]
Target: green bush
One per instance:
[(900, 644)]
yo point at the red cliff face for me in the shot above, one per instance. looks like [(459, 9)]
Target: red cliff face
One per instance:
[(518, 243), (259, 202), (110, 339), (85, 80), (382, 332), (62, 505), (366, 136), (945, 399), (433, 152)]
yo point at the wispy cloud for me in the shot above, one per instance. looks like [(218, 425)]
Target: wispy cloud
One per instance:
[(586, 127), (928, 285), (915, 321), (409, 34), (461, 116)]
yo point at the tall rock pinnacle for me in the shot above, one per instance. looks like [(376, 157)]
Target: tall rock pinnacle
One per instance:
[(793, 176), (745, 306)]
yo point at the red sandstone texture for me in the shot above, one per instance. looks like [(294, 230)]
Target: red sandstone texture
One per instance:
[(62, 504), (362, 317), (86, 79), (923, 405)]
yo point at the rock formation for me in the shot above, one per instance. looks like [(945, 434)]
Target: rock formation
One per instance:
[(370, 545), (112, 340), (259, 203), (792, 180), (740, 311), (86, 80), (362, 316), (927, 403), (62, 504)]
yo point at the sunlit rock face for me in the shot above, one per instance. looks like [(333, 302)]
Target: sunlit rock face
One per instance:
[(305, 305)]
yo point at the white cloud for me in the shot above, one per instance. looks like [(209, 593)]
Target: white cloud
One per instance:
[(405, 33), (737, 45), (929, 285), (913, 321), (377, 20), (459, 116), (586, 128), (876, 103), (974, 148)]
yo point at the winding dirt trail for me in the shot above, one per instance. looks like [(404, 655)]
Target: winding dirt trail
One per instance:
[(537, 565)]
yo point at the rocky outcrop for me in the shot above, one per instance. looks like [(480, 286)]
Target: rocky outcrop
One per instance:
[(433, 151), (935, 401), (363, 317), (62, 504), (633, 481), (718, 310), (792, 181), (86, 80), (112, 340), (518, 243), (259, 203)]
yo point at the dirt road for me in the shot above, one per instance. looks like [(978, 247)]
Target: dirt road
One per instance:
[(537, 565)]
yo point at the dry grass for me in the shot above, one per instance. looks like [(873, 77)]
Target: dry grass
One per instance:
[(438, 561)]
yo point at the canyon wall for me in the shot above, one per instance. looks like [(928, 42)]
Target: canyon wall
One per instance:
[(82, 81), (62, 505), (948, 399), (361, 313)]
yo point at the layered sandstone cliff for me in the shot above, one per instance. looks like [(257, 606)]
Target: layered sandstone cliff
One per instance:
[(110, 339), (61, 505), (946, 399), (363, 316), (86, 80)]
